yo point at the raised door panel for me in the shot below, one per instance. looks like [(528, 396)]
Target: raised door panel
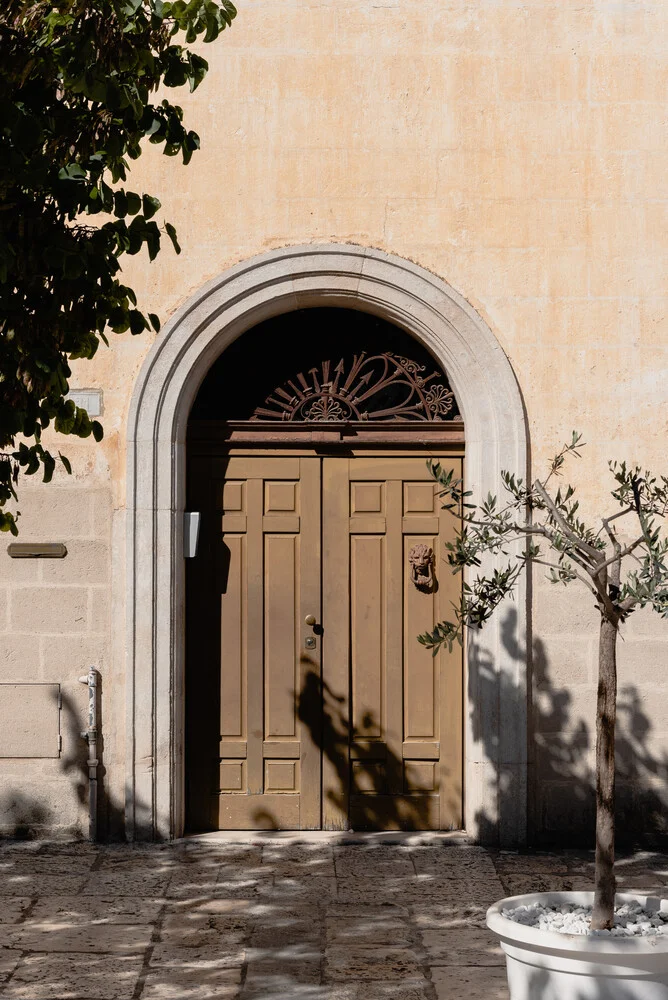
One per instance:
[(405, 705), (260, 555)]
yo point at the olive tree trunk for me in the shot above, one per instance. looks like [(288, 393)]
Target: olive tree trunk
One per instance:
[(606, 711)]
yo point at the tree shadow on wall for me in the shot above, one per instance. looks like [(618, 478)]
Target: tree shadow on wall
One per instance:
[(561, 778), (25, 817)]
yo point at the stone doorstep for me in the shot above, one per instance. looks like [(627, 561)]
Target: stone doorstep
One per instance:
[(332, 837)]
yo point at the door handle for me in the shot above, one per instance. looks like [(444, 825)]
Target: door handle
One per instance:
[(310, 620)]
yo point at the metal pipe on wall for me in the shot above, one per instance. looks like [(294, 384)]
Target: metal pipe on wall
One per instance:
[(90, 735)]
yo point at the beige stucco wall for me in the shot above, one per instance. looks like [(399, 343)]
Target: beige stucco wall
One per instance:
[(519, 151)]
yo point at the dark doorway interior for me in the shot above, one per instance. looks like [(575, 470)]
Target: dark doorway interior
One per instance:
[(271, 353)]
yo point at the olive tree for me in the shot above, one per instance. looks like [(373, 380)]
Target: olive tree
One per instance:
[(620, 560), (78, 101)]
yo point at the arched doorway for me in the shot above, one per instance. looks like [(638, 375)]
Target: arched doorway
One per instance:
[(149, 565), (309, 702)]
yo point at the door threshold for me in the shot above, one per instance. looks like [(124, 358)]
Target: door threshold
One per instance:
[(408, 838)]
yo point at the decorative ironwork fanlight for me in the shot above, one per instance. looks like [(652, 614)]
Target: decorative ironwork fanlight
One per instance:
[(380, 387)]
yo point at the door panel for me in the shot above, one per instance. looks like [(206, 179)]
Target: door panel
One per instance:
[(405, 704), (260, 556)]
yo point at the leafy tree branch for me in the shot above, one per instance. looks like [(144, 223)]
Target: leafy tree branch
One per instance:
[(78, 86)]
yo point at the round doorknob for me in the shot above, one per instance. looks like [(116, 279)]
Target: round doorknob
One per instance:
[(310, 619)]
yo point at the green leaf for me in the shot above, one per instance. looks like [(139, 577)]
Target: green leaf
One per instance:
[(199, 67), (171, 232), (73, 171), (107, 196), (134, 202), (120, 204), (150, 206), (49, 466), (155, 322), (137, 322), (98, 431), (66, 463)]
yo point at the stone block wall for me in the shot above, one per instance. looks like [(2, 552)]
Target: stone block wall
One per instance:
[(518, 150), (55, 626)]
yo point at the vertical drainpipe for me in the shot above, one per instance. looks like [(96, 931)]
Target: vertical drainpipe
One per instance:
[(90, 735)]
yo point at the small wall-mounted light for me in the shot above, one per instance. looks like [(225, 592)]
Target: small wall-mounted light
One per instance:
[(36, 550), (191, 519)]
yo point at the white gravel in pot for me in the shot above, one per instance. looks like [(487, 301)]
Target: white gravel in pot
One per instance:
[(631, 919)]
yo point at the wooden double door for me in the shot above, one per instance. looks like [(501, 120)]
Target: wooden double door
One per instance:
[(309, 702)]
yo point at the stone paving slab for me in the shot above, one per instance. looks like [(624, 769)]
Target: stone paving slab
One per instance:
[(9, 959), (475, 947), (471, 982), (77, 911), (271, 917), (13, 909), (116, 939), (191, 984), (53, 976)]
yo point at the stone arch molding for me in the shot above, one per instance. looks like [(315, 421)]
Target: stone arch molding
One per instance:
[(496, 438)]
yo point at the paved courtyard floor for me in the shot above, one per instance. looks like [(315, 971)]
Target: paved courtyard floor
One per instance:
[(269, 917)]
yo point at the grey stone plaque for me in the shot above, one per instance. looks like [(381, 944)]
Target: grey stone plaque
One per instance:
[(88, 399)]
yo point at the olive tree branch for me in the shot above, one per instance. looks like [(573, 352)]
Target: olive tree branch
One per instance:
[(558, 517), (558, 568), (621, 553)]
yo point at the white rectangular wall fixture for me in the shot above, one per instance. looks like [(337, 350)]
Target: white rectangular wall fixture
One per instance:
[(191, 519), (89, 400), (29, 720)]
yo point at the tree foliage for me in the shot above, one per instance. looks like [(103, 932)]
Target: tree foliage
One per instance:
[(538, 524), (78, 99), (553, 534)]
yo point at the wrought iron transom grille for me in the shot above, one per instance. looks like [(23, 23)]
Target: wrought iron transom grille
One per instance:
[(383, 386)]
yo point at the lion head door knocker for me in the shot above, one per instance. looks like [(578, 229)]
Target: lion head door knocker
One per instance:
[(421, 559)]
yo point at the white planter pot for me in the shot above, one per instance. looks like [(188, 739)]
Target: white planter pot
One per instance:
[(547, 965)]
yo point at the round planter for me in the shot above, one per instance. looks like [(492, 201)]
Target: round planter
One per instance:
[(547, 965)]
